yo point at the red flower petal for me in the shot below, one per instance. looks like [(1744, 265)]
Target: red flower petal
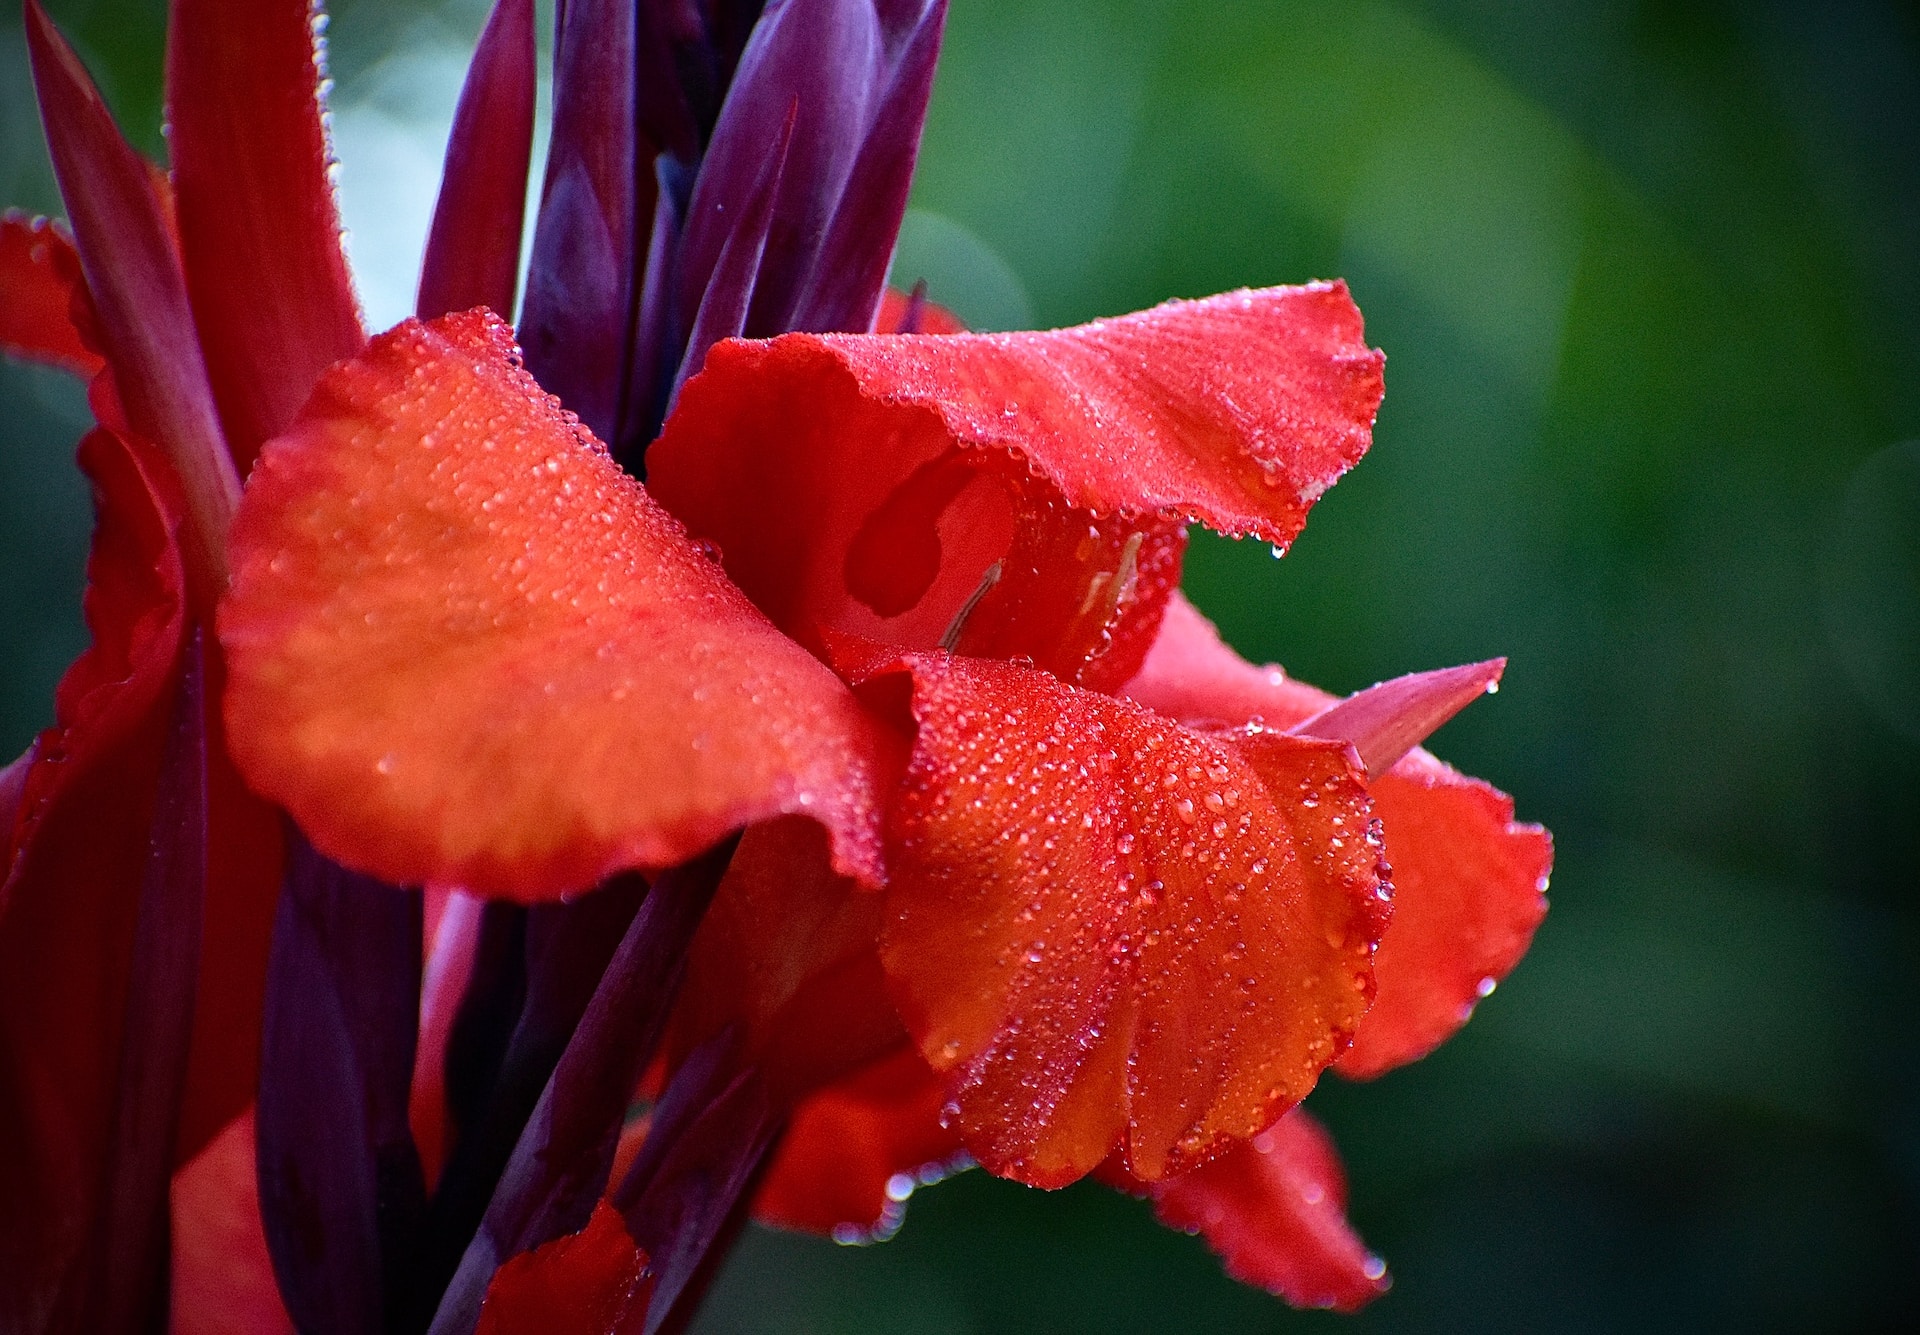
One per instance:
[(259, 233), (1275, 1212), (1237, 411), (244, 859), (39, 282), (593, 1282), (809, 994), (1469, 887), (855, 1151), (1468, 879), (71, 879), (1112, 928), (223, 1280), (465, 647)]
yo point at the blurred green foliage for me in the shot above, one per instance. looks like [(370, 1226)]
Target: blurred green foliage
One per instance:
[(1648, 279)]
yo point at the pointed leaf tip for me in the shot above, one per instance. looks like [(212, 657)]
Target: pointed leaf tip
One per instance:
[(1386, 721)]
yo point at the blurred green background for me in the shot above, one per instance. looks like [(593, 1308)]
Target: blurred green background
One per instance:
[(1648, 279)]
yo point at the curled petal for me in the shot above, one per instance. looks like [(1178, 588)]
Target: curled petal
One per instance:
[(1237, 411), (1274, 1210), (39, 283), (1469, 881), (465, 647), (1111, 930), (855, 1151)]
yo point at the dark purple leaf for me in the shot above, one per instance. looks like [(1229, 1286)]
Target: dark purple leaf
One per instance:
[(341, 1191), (723, 309), (576, 324), (473, 250), (489, 1010), (565, 949), (850, 271), (560, 1165), (139, 292), (821, 65), (658, 338), (121, 1284), (710, 1135)]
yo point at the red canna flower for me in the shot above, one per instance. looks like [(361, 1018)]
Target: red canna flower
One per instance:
[(801, 729)]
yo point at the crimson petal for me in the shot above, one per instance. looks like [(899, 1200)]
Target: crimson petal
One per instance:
[(1237, 411), (1469, 880), (855, 1151), (259, 230), (466, 648), (1114, 931), (222, 1276), (69, 895), (593, 1282), (39, 283), (1275, 1211)]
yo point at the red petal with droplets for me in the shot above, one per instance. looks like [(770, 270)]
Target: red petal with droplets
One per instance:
[(1275, 1212), (465, 647), (1112, 929), (1469, 891), (72, 875), (855, 1151), (39, 283), (1468, 880), (259, 232), (1237, 411), (223, 1280), (809, 994), (593, 1282)]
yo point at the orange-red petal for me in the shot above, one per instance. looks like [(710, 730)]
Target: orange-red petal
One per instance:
[(789, 951), (593, 1282), (1274, 1210), (1112, 930), (223, 1280), (1469, 881), (1237, 411), (39, 283), (855, 1151), (465, 647)]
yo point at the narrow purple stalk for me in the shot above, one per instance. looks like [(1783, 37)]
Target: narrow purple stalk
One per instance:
[(576, 324), (124, 1288), (341, 1191), (566, 949), (709, 1138), (564, 1156), (473, 250)]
